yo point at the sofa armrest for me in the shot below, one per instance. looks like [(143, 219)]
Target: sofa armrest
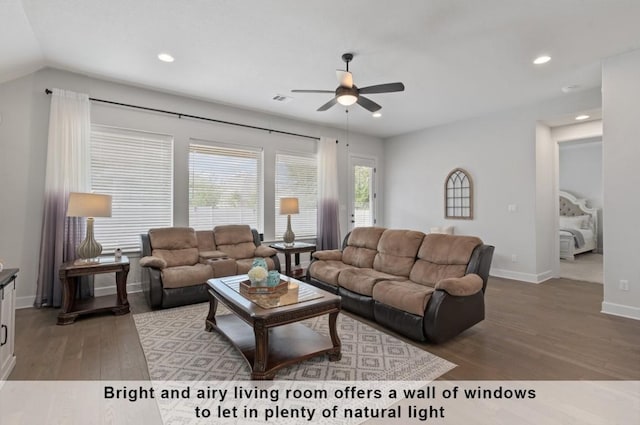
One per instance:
[(333, 254), (151, 261), (461, 286), (265, 251)]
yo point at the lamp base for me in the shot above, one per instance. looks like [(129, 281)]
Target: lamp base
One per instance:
[(89, 248), (289, 237)]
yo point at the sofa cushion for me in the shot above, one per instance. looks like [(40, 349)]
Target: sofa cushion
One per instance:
[(362, 246), (232, 234), (403, 295), (245, 264), (397, 250), (442, 256), (173, 238), (235, 240), (177, 257), (362, 281), (181, 276), (327, 271), (205, 240)]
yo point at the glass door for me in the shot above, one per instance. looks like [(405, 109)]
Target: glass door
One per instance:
[(362, 194)]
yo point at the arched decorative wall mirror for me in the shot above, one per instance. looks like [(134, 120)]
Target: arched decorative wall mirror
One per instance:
[(458, 195)]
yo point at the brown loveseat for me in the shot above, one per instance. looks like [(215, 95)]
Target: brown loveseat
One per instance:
[(178, 261), (426, 287)]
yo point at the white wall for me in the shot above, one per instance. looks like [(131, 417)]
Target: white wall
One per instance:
[(621, 157), (23, 139), (507, 165)]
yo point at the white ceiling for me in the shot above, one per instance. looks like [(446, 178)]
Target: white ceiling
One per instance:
[(457, 58)]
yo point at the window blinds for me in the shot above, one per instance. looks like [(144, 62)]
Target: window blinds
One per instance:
[(225, 186), (297, 177), (136, 168)]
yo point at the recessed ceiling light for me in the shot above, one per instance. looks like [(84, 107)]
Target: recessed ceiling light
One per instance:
[(582, 117), (376, 114), (165, 57), (541, 59)]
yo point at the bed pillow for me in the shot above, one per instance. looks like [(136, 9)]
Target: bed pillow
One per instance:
[(576, 222)]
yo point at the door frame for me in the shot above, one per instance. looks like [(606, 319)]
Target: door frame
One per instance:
[(359, 159)]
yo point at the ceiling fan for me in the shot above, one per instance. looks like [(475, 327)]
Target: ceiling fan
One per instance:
[(348, 93)]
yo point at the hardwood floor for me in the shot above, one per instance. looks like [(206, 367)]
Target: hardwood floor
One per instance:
[(551, 331)]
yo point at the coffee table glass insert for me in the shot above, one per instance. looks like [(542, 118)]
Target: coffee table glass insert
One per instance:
[(294, 295)]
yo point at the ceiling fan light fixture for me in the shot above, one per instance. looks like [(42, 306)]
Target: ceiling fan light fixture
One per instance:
[(347, 99), (376, 114)]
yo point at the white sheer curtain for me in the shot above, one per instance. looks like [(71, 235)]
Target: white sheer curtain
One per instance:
[(68, 162), (328, 200)]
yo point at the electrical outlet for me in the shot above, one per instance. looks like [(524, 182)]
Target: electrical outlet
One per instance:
[(624, 285), (514, 258)]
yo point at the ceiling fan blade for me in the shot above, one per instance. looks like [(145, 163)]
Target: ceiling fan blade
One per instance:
[(345, 78), (368, 104), (382, 88), (312, 91), (328, 105)]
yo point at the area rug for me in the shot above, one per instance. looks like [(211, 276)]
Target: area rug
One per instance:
[(178, 348)]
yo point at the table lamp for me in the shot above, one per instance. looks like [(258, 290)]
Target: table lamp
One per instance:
[(89, 205), (289, 206)]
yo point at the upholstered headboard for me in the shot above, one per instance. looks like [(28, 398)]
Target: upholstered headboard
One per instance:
[(570, 206)]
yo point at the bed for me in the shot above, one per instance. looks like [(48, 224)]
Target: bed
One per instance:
[(578, 226)]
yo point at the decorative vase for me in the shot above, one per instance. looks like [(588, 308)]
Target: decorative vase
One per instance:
[(259, 262), (273, 279)]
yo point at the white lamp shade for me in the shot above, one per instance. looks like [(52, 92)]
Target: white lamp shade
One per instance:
[(289, 206), (89, 205)]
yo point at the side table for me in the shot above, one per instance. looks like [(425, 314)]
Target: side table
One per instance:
[(295, 249), (72, 270)]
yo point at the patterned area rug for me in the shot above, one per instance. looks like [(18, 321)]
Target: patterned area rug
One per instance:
[(177, 347)]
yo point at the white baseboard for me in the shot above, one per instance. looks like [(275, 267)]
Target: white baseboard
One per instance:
[(524, 277), (27, 302), (621, 310)]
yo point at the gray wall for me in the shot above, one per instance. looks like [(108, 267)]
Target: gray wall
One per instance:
[(24, 110)]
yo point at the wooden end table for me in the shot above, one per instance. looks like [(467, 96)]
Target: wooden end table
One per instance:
[(267, 334), (72, 270), (295, 249)]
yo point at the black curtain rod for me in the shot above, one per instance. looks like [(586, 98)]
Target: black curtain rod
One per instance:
[(179, 115)]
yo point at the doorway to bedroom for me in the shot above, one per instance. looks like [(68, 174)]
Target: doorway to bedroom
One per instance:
[(581, 209)]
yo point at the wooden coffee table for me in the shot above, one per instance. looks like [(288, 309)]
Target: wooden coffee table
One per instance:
[(264, 328)]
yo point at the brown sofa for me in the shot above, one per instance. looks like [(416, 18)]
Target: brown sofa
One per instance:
[(426, 287), (177, 261)]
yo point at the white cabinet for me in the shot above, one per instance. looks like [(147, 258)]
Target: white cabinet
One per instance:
[(7, 321)]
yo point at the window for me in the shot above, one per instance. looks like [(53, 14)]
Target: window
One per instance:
[(225, 186), (136, 169), (297, 177), (458, 195)]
